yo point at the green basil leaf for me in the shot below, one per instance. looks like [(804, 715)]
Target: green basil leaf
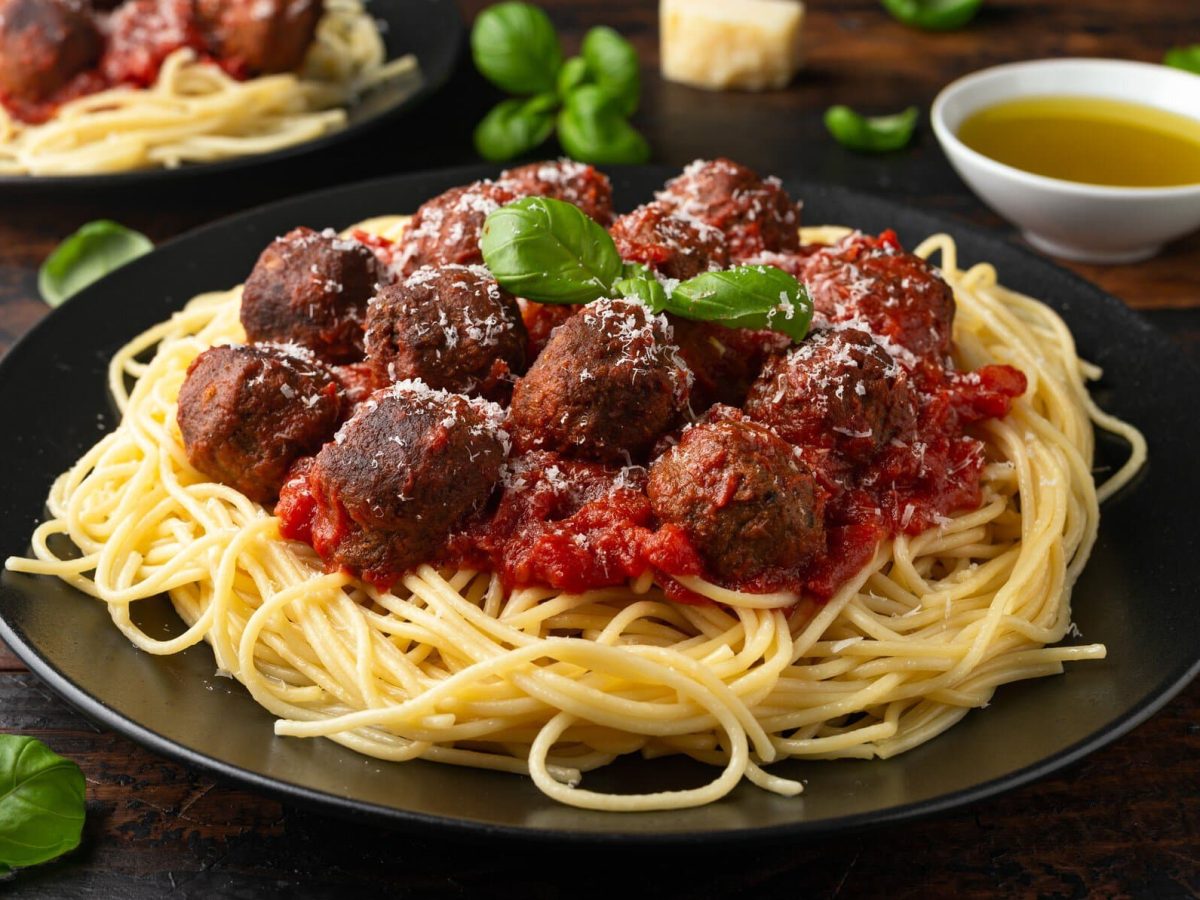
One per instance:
[(574, 72), (1186, 58), (613, 64), (746, 297), (879, 134), (86, 256), (41, 802), (516, 48), (515, 126), (549, 251), (592, 129), (639, 283), (933, 15)]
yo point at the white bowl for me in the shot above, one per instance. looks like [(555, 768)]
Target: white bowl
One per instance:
[(1091, 223)]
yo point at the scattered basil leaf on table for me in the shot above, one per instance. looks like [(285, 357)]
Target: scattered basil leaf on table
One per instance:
[(867, 134), (549, 251), (41, 803), (613, 64), (1186, 58), (515, 126), (89, 254), (516, 48), (933, 15), (745, 297), (592, 129)]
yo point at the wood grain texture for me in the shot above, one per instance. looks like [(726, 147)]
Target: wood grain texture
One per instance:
[(1124, 822)]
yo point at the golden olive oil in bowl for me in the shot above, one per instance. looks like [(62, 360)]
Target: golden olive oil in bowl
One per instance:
[(1092, 140)]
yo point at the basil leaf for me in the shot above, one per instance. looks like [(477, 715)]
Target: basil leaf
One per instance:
[(549, 251), (1186, 58), (592, 129), (41, 802), (574, 72), (613, 64), (746, 297), (515, 47), (639, 283), (879, 134), (933, 15), (515, 126), (86, 256)]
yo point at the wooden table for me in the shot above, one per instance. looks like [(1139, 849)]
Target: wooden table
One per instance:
[(1124, 822)]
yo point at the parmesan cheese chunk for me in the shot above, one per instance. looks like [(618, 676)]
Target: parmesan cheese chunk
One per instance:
[(717, 44)]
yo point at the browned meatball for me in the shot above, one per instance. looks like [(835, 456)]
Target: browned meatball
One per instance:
[(260, 36), (43, 45), (839, 389), (311, 288), (407, 467), (742, 495), (724, 361), (873, 283), (609, 384), (247, 413), (675, 246), (446, 229), (567, 180), (453, 327), (755, 214)]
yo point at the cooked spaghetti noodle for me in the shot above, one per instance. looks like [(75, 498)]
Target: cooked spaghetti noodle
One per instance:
[(451, 667), (195, 112)]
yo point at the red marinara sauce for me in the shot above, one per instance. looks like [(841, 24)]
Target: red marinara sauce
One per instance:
[(573, 525)]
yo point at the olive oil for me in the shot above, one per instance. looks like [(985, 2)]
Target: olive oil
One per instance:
[(1089, 139)]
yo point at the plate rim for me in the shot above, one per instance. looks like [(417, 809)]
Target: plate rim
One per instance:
[(1167, 688)]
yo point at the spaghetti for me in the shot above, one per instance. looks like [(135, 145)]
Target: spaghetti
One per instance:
[(451, 667), (196, 113)]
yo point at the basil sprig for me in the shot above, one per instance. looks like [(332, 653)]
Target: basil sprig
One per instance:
[(1186, 58), (933, 15), (874, 134), (41, 803), (86, 256), (589, 97), (549, 251)]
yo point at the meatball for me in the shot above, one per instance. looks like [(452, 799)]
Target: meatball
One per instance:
[(259, 36), (247, 413), (141, 34), (566, 180), (672, 245), (743, 497), (609, 384), (838, 390), (312, 289), (724, 361), (402, 472), (446, 229), (43, 45), (872, 283), (755, 214), (453, 327)]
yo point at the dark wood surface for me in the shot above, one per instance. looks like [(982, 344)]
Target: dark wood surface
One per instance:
[(1123, 822)]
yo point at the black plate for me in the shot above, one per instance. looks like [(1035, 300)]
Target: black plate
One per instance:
[(431, 30), (1138, 594)]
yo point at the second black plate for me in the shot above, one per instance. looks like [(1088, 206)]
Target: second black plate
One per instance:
[(1137, 595)]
